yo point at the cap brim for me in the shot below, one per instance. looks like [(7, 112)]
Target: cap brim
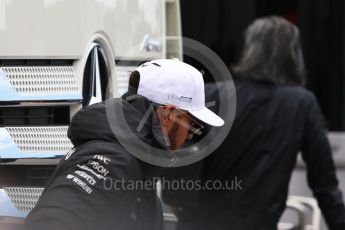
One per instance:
[(207, 116)]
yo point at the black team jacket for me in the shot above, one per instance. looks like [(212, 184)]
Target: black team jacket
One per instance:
[(81, 193)]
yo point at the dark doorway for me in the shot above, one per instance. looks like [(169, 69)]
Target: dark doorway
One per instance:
[(220, 26)]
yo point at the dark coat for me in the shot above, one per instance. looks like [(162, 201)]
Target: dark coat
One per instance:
[(272, 125), (81, 193)]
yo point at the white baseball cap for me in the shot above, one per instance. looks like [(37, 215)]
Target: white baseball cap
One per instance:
[(173, 82)]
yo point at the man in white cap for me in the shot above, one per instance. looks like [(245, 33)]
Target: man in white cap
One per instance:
[(95, 185)]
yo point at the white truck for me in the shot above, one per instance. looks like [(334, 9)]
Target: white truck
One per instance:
[(57, 56)]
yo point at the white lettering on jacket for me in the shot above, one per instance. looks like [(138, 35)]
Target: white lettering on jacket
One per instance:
[(80, 183), (86, 176), (68, 155), (102, 158), (98, 167), (84, 167)]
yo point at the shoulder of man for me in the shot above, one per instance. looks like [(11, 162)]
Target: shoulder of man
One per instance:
[(108, 159)]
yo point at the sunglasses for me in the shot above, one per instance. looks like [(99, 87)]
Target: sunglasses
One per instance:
[(194, 127)]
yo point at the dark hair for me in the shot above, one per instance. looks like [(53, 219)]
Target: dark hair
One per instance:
[(133, 83), (272, 52)]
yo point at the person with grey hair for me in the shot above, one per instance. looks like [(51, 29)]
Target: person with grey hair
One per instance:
[(272, 52), (276, 118)]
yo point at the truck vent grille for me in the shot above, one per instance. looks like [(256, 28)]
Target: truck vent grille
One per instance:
[(41, 139), (23, 198), (32, 116), (36, 62), (35, 80)]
